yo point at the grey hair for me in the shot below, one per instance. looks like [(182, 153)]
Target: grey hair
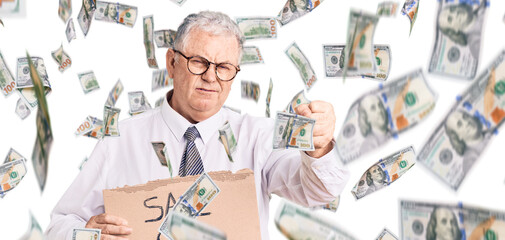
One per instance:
[(215, 23)]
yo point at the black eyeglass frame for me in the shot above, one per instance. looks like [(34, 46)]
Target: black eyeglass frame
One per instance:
[(237, 69)]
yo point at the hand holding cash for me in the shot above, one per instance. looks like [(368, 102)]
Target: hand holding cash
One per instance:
[(110, 225), (324, 115)]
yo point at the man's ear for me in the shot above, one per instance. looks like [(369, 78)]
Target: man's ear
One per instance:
[(170, 62)]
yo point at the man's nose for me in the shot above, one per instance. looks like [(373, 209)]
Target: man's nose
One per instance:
[(210, 75)]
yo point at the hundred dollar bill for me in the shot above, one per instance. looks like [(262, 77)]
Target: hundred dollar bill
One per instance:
[(181, 227), (7, 82), (22, 110), (227, 138), (24, 82), (295, 9), (148, 41), (269, 97), (334, 62), (86, 234), (84, 161), (179, 2), (161, 79), (62, 58), (158, 149), (458, 141), (251, 54), (386, 171), (11, 173), (458, 37), (138, 102), (257, 27), (410, 9), (384, 113), (65, 9), (360, 47), (88, 81), (250, 90), (87, 126), (114, 93), (165, 38), (111, 121), (332, 206), (196, 198), (70, 31), (297, 100), (302, 64), (293, 131), (34, 232), (44, 139), (482, 223), (97, 131), (116, 12), (85, 16), (299, 223), (386, 235), (387, 9), (13, 155)]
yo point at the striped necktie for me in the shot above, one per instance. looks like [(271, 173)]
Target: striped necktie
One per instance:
[(191, 163)]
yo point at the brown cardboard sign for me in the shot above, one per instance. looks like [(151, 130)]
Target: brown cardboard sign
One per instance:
[(234, 211)]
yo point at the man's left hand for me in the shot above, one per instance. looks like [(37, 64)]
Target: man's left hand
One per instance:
[(323, 113)]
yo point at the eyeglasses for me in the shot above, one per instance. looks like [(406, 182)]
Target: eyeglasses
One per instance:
[(199, 65)]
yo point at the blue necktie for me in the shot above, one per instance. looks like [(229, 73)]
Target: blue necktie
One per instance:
[(191, 163)]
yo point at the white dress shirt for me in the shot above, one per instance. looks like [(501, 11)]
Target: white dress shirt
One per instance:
[(130, 160)]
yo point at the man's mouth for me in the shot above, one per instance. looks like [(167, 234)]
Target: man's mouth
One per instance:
[(205, 90)]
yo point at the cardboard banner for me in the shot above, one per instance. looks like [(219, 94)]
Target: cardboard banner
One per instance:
[(234, 211)]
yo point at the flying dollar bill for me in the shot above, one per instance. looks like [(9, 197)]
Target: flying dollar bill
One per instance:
[(65, 9), (138, 102), (386, 171), (181, 227), (293, 131), (193, 201), (250, 90), (360, 47), (227, 138), (269, 97), (165, 38), (70, 31), (250, 55), (62, 58), (421, 220), (24, 82), (87, 126), (86, 234), (387, 9), (7, 82), (148, 41), (257, 27), (386, 235), (88, 81), (34, 231), (116, 13), (410, 9), (334, 59), (331, 206), (297, 100), (85, 16), (302, 64), (22, 110), (114, 93), (299, 223), (158, 149), (11, 174), (458, 141), (458, 38), (111, 121), (13, 155), (161, 80), (384, 113), (295, 9)]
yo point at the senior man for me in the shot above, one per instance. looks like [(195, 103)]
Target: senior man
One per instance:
[(203, 64)]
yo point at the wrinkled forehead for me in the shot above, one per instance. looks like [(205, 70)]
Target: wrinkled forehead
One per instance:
[(221, 42)]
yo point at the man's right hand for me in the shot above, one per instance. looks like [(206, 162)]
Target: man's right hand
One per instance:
[(113, 228)]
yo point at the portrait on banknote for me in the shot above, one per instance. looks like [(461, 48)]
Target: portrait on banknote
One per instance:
[(375, 179), (110, 12), (373, 122), (443, 224)]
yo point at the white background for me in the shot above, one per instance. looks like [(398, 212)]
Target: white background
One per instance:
[(115, 51)]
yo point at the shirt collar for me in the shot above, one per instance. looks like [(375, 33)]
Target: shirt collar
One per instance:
[(178, 124)]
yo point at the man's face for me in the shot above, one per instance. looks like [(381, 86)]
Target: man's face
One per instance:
[(111, 10), (453, 17), (375, 112), (376, 174), (445, 222), (198, 97), (465, 126)]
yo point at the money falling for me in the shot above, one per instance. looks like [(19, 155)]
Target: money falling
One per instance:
[(302, 64), (148, 41)]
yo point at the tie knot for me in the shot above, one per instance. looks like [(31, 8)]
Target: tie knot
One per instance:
[(191, 134)]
